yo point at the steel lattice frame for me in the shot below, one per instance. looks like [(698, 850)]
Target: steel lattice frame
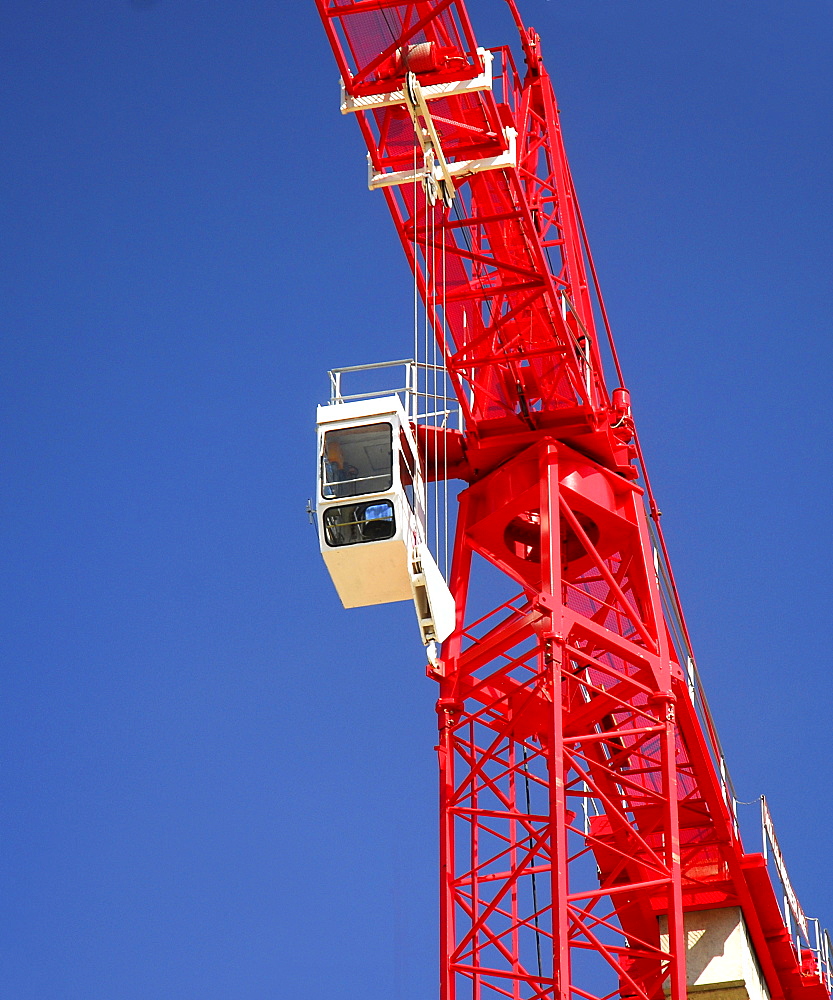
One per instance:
[(582, 811)]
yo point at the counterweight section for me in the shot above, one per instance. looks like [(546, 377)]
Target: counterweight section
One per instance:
[(720, 961)]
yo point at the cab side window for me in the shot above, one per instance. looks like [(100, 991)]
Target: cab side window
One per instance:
[(406, 472)]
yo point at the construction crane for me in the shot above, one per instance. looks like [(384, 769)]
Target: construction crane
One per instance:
[(589, 837)]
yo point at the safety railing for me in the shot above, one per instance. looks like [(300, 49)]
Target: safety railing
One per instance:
[(685, 657), (423, 390), (810, 940)]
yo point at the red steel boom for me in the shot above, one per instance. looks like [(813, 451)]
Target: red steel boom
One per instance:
[(586, 813)]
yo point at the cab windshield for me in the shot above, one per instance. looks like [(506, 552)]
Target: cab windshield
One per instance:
[(357, 461)]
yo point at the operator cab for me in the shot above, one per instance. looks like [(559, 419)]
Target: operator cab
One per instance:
[(371, 512)]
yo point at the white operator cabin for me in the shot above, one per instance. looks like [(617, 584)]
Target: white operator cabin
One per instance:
[(371, 513)]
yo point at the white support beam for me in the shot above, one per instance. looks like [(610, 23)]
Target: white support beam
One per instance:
[(456, 168), (483, 81)]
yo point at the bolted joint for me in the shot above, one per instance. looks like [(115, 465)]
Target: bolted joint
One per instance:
[(447, 709), (665, 702), (548, 603), (551, 651)]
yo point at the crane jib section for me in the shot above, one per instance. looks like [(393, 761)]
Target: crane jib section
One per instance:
[(519, 328), (586, 812)]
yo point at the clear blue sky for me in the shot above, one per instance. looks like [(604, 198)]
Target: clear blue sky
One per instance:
[(216, 783)]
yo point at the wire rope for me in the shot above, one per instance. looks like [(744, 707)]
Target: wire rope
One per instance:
[(430, 374), (413, 402), (424, 365), (534, 879), (445, 403), (434, 404)]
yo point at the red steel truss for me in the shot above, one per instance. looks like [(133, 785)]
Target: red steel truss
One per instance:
[(583, 808)]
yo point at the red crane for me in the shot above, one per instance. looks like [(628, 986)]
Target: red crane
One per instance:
[(589, 835)]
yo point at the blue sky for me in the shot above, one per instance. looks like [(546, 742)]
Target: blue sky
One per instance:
[(216, 783)]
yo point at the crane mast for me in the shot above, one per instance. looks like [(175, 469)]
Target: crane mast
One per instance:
[(588, 828)]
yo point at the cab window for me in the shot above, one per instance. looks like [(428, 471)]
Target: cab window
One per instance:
[(357, 460), (352, 523)]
